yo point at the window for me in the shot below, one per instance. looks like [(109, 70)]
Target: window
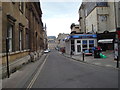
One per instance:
[(20, 40), (91, 43), (21, 6), (103, 18), (78, 41), (102, 4), (10, 37), (84, 44), (10, 32), (21, 37)]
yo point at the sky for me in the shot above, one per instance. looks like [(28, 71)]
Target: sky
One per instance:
[(58, 16)]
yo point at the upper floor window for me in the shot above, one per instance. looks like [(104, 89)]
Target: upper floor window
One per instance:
[(102, 4), (21, 36), (21, 6), (103, 18), (10, 37), (10, 33)]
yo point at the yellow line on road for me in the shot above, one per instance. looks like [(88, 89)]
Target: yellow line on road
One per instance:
[(36, 75)]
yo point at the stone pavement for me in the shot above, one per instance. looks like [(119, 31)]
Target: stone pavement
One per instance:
[(107, 62), (22, 77), (17, 64)]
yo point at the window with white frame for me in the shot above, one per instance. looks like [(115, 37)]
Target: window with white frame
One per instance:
[(20, 40), (10, 37)]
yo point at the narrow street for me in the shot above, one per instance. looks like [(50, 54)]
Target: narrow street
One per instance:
[(61, 72)]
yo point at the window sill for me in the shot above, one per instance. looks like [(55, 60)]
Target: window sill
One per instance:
[(16, 52)]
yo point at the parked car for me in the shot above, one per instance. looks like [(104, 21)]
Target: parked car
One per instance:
[(88, 52), (49, 50), (46, 51)]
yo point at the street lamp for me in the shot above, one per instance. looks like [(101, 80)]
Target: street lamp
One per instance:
[(7, 51)]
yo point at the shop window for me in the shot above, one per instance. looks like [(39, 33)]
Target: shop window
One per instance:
[(78, 41), (84, 44), (91, 43)]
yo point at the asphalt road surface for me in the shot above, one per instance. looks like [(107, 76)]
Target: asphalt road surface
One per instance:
[(60, 72)]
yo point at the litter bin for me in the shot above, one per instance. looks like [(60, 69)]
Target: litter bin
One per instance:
[(96, 54)]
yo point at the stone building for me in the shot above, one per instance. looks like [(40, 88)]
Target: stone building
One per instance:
[(99, 18), (22, 25), (52, 42), (75, 28), (77, 43), (61, 40), (82, 17)]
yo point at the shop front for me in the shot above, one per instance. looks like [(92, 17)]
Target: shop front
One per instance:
[(79, 43), (106, 40)]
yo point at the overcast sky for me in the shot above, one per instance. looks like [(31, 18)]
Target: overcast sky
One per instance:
[(58, 16)]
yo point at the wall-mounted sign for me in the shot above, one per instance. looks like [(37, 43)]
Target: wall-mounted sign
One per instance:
[(83, 36)]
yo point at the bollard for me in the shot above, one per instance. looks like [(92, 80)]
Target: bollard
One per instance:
[(117, 63), (83, 56)]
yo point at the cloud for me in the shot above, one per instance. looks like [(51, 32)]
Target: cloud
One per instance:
[(58, 16), (59, 25)]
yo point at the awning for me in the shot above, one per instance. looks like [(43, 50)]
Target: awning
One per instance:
[(105, 41)]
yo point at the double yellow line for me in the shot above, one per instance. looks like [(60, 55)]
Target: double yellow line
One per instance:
[(36, 75)]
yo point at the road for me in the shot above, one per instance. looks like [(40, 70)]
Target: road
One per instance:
[(61, 72)]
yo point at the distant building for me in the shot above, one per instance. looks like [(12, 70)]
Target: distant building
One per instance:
[(61, 40), (51, 42)]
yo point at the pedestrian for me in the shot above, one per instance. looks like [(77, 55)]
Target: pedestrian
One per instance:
[(99, 49)]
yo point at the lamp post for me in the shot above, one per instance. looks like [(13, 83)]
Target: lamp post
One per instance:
[(7, 51)]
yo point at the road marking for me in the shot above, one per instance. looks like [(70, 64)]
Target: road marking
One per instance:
[(36, 75)]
